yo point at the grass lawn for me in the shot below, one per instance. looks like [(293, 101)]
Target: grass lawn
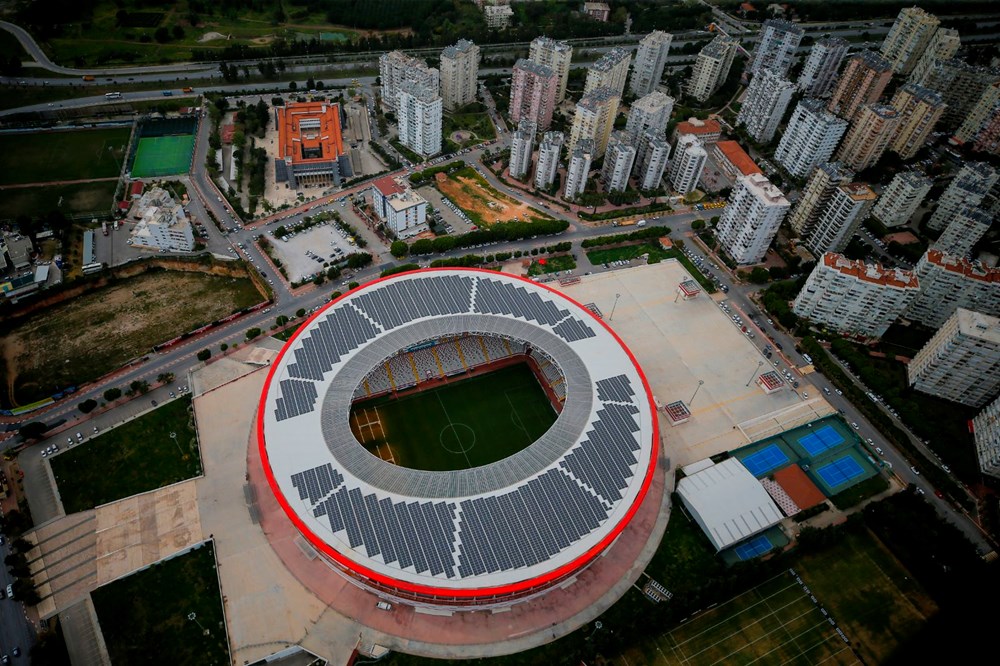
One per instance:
[(97, 196), (477, 124), (92, 334), (627, 253), (685, 557), (145, 617), (563, 262), (133, 458), (464, 424), (860, 492), (42, 157)]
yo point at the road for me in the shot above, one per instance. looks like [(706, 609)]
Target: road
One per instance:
[(16, 629)]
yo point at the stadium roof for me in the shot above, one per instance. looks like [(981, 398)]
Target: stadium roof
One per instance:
[(728, 502), (512, 526)]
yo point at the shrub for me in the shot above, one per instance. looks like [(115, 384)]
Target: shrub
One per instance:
[(204, 354), (87, 406)]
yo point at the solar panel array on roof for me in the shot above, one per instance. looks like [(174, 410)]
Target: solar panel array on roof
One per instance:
[(296, 398), (397, 303), (617, 388), (605, 459), (342, 330), (316, 483), (495, 297)]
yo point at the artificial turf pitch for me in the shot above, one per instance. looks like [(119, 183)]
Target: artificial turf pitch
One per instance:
[(462, 424), (163, 155)]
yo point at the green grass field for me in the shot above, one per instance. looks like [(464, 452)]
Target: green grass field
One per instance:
[(95, 196), (464, 424), (43, 157), (146, 618), (133, 458), (163, 156)]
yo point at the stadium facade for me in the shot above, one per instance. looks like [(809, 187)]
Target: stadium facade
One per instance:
[(473, 538)]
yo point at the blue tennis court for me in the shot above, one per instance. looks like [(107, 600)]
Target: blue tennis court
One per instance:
[(762, 462), (840, 471), (754, 547), (820, 440)]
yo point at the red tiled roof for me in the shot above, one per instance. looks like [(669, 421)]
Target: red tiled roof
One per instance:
[(738, 157), (136, 187), (388, 186), (705, 127), (874, 273), (227, 133)]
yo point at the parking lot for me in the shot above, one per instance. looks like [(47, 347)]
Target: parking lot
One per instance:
[(454, 220), (308, 252)]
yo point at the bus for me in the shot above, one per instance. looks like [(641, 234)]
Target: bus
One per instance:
[(113, 95)]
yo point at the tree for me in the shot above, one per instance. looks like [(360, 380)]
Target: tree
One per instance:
[(139, 386), (204, 355), (223, 347), (165, 377), (253, 333), (293, 86), (112, 394), (177, 32), (301, 312), (353, 285), (698, 225), (759, 275), (399, 249), (335, 295), (281, 320), (162, 35), (33, 430), (88, 405), (25, 591)]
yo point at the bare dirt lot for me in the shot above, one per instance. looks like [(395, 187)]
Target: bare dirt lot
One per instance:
[(88, 336), (481, 202)]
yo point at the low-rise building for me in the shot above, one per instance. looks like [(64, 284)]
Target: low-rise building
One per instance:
[(162, 223), (733, 161), (400, 208), (961, 362), (708, 131)]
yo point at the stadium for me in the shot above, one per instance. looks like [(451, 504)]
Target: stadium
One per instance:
[(457, 438)]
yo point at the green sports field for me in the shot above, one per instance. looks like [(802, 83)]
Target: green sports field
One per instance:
[(463, 424), (47, 157), (163, 156)]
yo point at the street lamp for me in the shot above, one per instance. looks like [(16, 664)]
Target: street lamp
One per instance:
[(700, 382), (194, 618), (612, 315), (756, 370)]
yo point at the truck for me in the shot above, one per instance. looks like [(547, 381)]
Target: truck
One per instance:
[(88, 77), (104, 228), (188, 89)]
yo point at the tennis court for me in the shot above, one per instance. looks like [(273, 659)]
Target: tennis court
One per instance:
[(820, 440), (163, 156), (767, 459), (753, 548), (840, 471)]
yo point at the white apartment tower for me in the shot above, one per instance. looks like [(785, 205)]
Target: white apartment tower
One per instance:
[(419, 116), (650, 113), (578, 168), (816, 195), (396, 67), (986, 429), (522, 143), (810, 138), (548, 159), (594, 119), (855, 298), (776, 44), (748, 224), (963, 231), (609, 71), (961, 362), (943, 46), (651, 162), (908, 38), (711, 68), (689, 160), (557, 56), (459, 69), (841, 217), (900, 199), (764, 105), (968, 188), (820, 70), (650, 60), (948, 282), (618, 161)]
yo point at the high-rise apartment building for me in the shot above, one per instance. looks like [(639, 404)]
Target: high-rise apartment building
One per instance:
[(983, 110), (847, 208), (963, 231), (819, 189), (901, 198), (578, 168), (548, 159), (651, 161), (943, 46), (987, 139), (775, 49), (764, 105), (555, 55), (594, 119), (650, 60), (418, 115), (609, 71), (618, 161), (873, 128), (650, 113), (711, 68), (864, 80), (968, 188), (395, 67), (748, 224), (948, 282), (522, 144), (810, 138), (820, 71), (689, 161), (532, 93), (855, 298), (459, 69), (986, 430), (908, 38), (960, 85), (919, 110), (961, 362)]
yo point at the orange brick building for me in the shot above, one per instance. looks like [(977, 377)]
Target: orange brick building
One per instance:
[(310, 145)]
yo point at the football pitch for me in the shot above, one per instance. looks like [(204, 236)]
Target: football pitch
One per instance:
[(463, 424), (163, 155), (36, 157)]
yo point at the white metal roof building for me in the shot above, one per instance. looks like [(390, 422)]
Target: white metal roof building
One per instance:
[(477, 537), (728, 503)]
